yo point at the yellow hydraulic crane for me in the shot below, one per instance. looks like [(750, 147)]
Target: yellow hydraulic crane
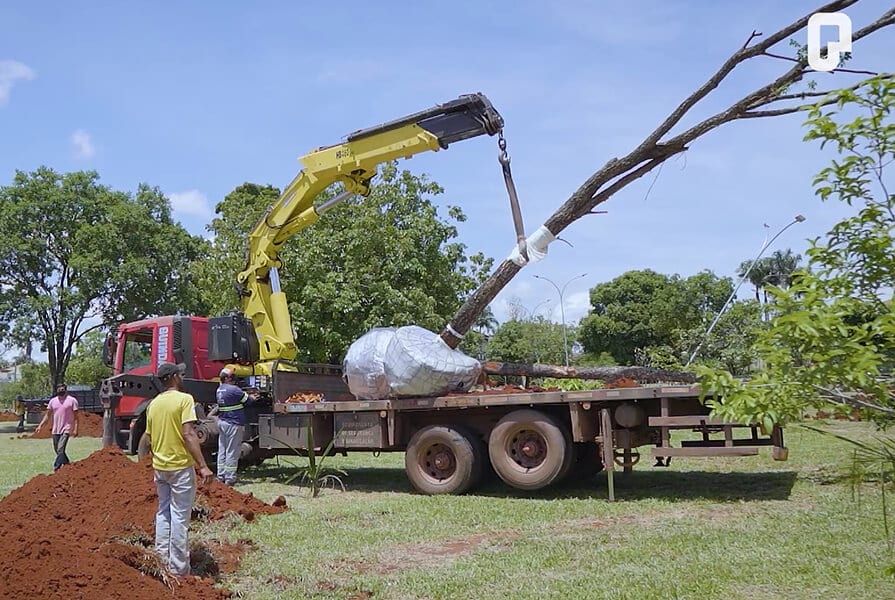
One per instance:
[(354, 164)]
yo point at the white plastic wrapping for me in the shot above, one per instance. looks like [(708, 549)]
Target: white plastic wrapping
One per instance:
[(419, 363), (364, 368), (536, 244), (408, 361)]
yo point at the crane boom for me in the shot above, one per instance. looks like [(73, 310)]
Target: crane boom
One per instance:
[(354, 164)]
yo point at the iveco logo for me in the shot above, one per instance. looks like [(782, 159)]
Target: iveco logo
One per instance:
[(162, 352)]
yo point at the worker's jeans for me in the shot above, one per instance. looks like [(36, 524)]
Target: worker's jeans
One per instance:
[(60, 441), (176, 492), (229, 442)]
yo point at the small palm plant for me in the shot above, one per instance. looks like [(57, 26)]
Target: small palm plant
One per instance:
[(314, 473)]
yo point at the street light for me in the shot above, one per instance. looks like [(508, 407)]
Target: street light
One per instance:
[(764, 246), (562, 311), (534, 312)]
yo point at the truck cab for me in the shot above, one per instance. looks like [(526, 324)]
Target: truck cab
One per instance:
[(134, 353)]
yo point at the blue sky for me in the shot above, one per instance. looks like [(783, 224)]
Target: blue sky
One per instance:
[(199, 97)]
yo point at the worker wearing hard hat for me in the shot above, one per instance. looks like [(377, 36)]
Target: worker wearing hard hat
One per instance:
[(232, 401)]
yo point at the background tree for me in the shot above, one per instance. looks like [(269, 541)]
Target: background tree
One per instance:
[(236, 215), (531, 340), (730, 345), (388, 259), (476, 341), (645, 309), (776, 270), (832, 340), (86, 366), (74, 252), (34, 382)]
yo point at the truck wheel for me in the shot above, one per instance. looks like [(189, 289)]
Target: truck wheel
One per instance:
[(443, 460), (529, 450)]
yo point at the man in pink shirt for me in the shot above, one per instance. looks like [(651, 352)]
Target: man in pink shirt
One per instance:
[(63, 409)]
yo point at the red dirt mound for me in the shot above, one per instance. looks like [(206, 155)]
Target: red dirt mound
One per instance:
[(61, 530), (622, 382), (7, 415), (89, 425)]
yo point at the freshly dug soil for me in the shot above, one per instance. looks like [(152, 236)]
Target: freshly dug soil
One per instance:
[(89, 425), (66, 534), (622, 382), (7, 416)]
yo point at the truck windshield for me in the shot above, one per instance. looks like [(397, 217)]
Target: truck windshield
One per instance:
[(138, 349)]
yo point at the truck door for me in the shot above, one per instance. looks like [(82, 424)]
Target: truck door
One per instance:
[(135, 355), (137, 350)]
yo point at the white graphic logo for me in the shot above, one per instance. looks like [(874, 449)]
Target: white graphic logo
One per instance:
[(162, 350), (835, 49)]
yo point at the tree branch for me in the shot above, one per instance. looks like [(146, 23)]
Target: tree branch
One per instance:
[(836, 70), (609, 374), (852, 401), (754, 35), (653, 150)]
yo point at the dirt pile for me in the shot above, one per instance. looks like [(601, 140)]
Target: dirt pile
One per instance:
[(7, 416), (621, 382), (89, 425), (64, 533)]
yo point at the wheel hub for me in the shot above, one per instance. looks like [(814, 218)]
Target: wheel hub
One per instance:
[(528, 449), (439, 462)]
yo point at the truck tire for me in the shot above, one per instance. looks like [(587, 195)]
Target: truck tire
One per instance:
[(529, 450), (444, 459)]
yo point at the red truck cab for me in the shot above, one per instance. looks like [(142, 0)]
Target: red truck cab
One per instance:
[(137, 349)]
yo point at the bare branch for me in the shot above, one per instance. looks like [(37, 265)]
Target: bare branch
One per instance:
[(754, 35), (781, 57), (842, 398), (730, 64), (886, 19), (654, 150), (807, 94)]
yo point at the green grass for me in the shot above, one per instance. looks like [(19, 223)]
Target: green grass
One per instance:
[(703, 528), (22, 459)]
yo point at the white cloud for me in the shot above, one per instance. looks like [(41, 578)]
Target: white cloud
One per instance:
[(82, 145), (12, 71), (191, 203), (577, 306)]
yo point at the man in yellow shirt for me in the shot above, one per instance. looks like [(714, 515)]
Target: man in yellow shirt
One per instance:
[(176, 458)]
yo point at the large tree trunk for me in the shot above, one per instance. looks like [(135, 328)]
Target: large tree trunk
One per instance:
[(657, 147), (607, 374)]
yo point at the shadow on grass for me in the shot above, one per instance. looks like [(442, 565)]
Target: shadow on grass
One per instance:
[(668, 485)]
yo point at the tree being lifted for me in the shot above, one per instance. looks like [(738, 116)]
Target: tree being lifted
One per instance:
[(776, 98)]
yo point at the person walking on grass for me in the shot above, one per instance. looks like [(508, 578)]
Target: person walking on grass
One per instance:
[(177, 462), (232, 401), (63, 410), (20, 413)]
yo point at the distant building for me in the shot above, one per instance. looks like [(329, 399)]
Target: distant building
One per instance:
[(11, 374)]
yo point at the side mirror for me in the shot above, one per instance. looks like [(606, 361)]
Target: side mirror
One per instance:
[(109, 348)]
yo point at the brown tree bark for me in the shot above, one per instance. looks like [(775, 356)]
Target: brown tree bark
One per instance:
[(657, 147), (608, 374)]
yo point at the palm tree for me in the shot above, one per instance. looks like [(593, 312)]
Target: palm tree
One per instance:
[(758, 274), (782, 264), (486, 323)]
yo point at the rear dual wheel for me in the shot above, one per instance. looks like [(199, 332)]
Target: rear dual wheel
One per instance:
[(529, 450), (444, 459)]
